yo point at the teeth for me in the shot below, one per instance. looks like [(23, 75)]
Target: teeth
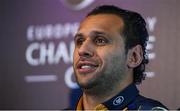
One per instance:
[(85, 67)]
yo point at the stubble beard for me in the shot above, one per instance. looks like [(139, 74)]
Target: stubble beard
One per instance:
[(106, 82)]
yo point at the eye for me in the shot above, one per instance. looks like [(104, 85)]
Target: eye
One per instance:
[(79, 41), (101, 41)]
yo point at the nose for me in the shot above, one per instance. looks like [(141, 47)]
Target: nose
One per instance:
[(86, 50)]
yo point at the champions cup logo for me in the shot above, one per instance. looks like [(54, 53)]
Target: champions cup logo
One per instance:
[(77, 4)]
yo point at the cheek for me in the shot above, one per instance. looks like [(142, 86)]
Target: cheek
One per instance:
[(110, 56), (105, 56), (75, 55)]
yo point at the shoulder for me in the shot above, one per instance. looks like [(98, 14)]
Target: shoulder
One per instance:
[(144, 103)]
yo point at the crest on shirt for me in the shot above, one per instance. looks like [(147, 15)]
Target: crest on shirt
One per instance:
[(118, 100)]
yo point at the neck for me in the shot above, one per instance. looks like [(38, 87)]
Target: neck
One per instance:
[(91, 100)]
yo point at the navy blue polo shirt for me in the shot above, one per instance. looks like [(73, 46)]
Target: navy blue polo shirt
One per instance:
[(128, 99)]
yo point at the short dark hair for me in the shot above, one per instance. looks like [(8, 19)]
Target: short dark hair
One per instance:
[(134, 32)]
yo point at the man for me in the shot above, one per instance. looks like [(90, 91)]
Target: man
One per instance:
[(109, 59)]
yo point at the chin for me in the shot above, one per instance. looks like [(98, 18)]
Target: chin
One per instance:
[(87, 84)]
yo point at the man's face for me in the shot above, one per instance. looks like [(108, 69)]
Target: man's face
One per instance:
[(99, 55)]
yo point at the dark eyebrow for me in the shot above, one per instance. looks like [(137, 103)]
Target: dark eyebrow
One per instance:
[(93, 33), (78, 35)]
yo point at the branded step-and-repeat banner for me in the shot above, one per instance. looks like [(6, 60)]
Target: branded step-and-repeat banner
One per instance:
[(36, 45)]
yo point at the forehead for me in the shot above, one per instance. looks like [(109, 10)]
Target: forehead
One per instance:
[(102, 22)]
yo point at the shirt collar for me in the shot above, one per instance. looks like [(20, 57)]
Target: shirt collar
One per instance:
[(80, 104), (120, 101)]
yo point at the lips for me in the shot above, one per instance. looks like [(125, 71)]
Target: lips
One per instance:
[(86, 66)]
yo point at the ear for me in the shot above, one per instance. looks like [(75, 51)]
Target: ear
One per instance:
[(134, 56)]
